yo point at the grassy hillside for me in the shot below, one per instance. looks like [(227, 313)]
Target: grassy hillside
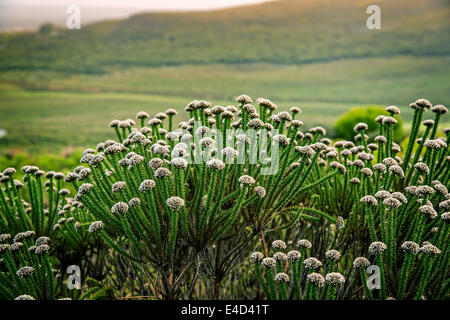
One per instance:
[(282, 32), (49, 112)]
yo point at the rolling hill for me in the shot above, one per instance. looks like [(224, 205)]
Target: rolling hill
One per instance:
[(279, 32)]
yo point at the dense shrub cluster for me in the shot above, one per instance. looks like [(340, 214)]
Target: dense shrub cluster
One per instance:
[(189, 211)]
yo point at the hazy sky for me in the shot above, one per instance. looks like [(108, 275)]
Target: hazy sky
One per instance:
[(147, 4)]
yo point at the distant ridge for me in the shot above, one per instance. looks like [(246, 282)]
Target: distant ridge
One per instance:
[(280, 32)]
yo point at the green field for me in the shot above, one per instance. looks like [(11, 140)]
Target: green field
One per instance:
[(61, 89)]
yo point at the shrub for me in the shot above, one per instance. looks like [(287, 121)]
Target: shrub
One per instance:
[(182, 209), (345, 123)]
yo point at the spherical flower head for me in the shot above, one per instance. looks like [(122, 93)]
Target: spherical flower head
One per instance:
[(279, 245), (119, 208), (25, 272), (24, 297), (207, 142), (422, 103), (260, 191), (376, 248), (424, 191), (390, 162), (269, 262), (445, 204), (428, 123), (339, 166), (312, 263), (256, 257), (244, 99), (370, 200), (42, 240), (281, 139), (389, 120), (172, 136), (383, 194), (175, 203), (380, 118), (335, 278), (179, 163), (41, 249), (16, 246), (161, 173), (293, 255), (9, 171), (5, 237), (439, 109), (230, 153), (246, 180), (380, 139), (305, 151), (410, 247), (366, 172), (249, 108), (134, 202), (361, 262), (441, 189), (445, 216), (360, 127), (422, 168), (333, 255), (303, 243), (280, 256), (295, 110), (433, 144), (316, 279), (154, 122), (64, 192), (85, 188), (4, 247), (256, 123), (118, 186), (171, 112), (96, 226), (355, 181), (396, 169), (399, 196), (142, 115), (346, 153), (430, 250), (18, 237), (392, 202), (429, 211), (284, 116), (393, 110), (146, 185), (281, 277), (215, 164)]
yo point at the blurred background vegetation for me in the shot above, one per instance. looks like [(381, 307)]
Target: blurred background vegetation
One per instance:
[(60, 88)]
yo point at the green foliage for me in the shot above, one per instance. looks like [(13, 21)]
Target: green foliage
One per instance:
[(345, 123), (147, 221)]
